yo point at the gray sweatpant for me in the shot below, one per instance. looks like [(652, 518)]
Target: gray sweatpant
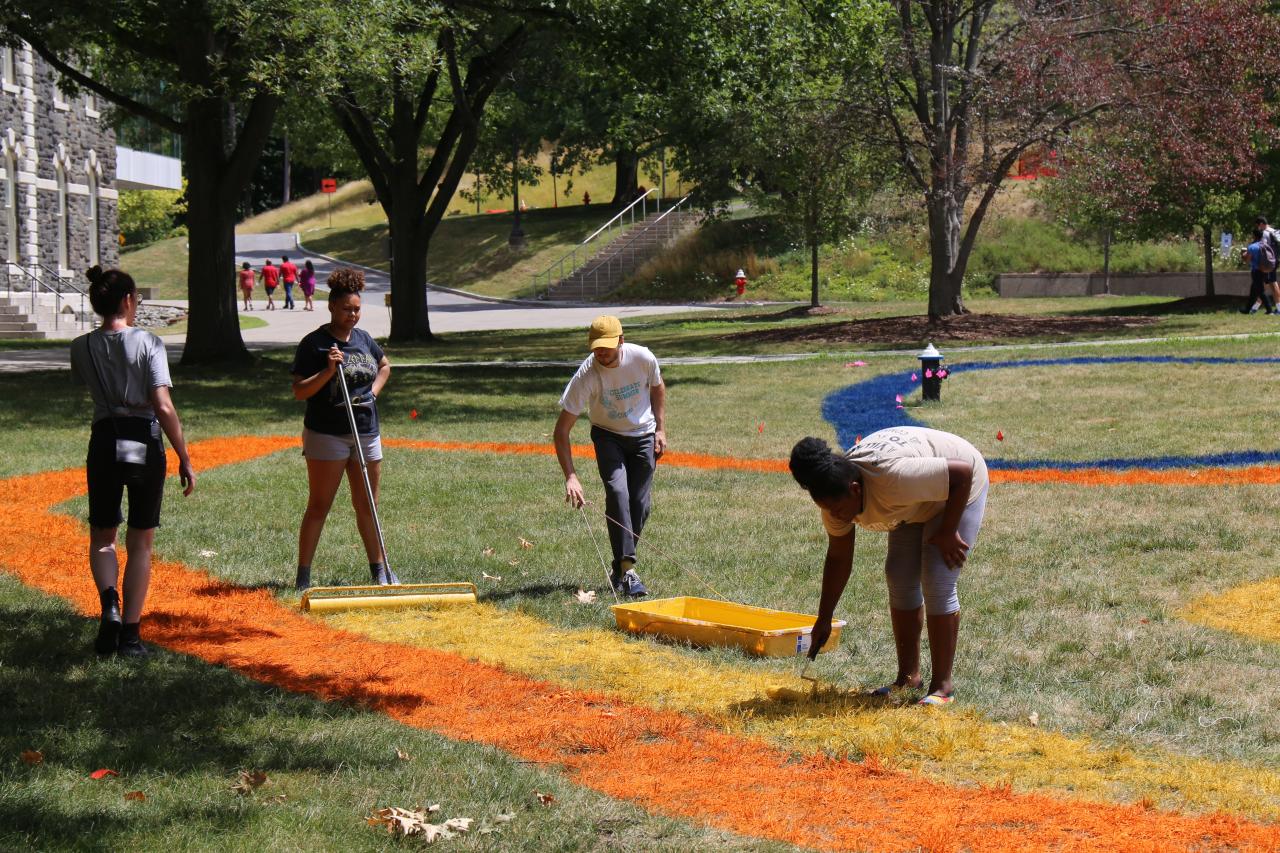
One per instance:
[(915, 570), (626, 466)]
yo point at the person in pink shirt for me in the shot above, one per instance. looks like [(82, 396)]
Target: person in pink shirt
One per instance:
[(246, 285), (307, 278), (289, 275), (270, 280)]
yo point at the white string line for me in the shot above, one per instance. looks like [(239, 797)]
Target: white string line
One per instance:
[(604, 565)]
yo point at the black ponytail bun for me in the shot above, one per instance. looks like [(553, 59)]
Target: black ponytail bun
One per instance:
[(820, 470)]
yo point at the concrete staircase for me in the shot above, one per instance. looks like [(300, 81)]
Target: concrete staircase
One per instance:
[(19, 320), (607, 270)]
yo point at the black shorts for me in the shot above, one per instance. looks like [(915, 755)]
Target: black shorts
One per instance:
[(108, 479)]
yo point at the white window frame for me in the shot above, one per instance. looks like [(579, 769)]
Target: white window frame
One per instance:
[(9, 70), (64, 220), (91, 105)]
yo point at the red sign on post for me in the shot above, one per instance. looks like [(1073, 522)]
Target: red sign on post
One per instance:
[(328, 185)]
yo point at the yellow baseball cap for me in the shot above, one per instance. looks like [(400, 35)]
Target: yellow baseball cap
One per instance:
[(605, 332)]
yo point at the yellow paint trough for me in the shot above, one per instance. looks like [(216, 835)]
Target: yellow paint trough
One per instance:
[(706, 622), (330, 599)]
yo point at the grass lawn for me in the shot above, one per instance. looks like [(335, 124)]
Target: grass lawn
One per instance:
[(1073, 600), (247, 321)]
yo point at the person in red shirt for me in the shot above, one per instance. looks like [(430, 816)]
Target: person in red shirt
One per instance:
[(289, 275), (246, 285), (270, 279)]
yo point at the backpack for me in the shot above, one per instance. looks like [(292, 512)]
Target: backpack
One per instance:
[(1267, 251)]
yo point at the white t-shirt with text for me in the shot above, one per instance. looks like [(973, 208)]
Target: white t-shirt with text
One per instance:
[(616, 398)]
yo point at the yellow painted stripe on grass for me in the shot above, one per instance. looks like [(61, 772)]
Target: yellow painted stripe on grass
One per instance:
[(1252, 610), (955, 744)]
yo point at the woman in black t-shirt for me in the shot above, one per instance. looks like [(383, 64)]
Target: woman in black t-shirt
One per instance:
[(327, 442)]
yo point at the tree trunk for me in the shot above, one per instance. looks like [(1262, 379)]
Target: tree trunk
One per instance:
[(1106, 262), (213, 324), (1208, 262), (813, 273), (626, 178), (946, 267), (516, 238), (409, 241), (286, 190)]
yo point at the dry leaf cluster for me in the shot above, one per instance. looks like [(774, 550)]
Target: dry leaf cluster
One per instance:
[(136, 797), (414, 822), (32, 757), (586, 596), (488, 552), (524, 543), (489, 577), (544, 799), (402, 755), (249, 781)]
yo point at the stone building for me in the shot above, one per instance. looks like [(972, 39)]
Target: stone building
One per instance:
[(58, 189)]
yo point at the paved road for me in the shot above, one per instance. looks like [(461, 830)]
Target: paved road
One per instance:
[(451, 311)]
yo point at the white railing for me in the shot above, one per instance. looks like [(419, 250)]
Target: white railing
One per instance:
[(578, 255), (593, 280)]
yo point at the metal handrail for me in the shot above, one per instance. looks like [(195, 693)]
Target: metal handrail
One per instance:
[(63, 281), (616, 257), (37, 286), (572, 254)]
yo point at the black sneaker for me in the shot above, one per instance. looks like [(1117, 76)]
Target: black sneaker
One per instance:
[(302, 582), (626, 581), (108, 640)]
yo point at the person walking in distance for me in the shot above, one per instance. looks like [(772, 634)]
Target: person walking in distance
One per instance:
[(127, 373), (246, 285), (289, 277), (270, 280), (620, 386), (307, 280)]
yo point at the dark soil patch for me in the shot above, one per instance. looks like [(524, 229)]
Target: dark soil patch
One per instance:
[(968, 327)]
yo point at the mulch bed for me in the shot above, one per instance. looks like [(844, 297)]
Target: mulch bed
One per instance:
[(917, 329)]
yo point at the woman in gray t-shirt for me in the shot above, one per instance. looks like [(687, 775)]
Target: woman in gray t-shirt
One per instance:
[(127, 374)]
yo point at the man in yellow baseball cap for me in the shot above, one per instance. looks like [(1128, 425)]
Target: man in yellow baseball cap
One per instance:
[(620, 387)]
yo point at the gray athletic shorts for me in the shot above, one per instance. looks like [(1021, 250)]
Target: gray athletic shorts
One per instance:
[(915, 570), (332, 448)]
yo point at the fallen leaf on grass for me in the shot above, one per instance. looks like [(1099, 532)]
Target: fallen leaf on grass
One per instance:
[(487, 552), (136, 797), (504, 817), (524, 543), (278, 798), (414, 822), (249, 781), (402, 755), (1034, 719), (208, 553), (32, 757), (544, 799), (586, 596), (513, 562), (489, 577), (102, 774)]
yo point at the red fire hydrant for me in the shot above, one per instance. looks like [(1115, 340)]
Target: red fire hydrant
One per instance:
[(740, 282)]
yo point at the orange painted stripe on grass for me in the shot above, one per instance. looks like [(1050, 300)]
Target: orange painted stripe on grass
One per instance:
[(664, 761), (1253, 475)]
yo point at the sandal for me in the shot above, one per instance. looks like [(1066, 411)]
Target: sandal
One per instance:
[(936, 699)]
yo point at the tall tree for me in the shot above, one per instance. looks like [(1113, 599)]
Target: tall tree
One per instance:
[(1165, 167), (221, 65), (971, 85), (409, 89)]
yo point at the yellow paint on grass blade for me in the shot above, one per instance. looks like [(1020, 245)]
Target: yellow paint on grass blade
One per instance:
[(955, 745)]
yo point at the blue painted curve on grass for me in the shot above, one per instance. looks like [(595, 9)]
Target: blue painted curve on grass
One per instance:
[(863, 408)]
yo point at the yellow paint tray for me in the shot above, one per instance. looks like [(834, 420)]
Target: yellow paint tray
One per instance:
[(706, 622), (329, 599)]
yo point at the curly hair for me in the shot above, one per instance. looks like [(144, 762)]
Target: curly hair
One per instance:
[(345, 280), (107, 288), (821, 471)]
